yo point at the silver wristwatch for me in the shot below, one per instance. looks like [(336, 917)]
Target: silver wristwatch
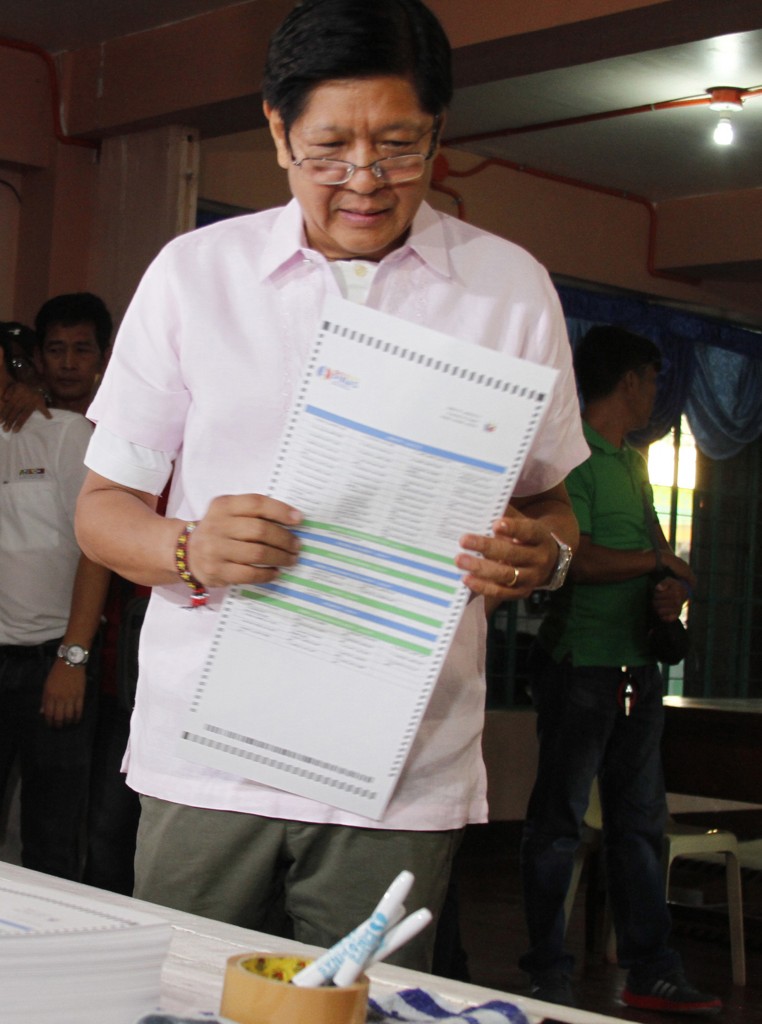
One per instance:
[(562, 565), (73, 655)]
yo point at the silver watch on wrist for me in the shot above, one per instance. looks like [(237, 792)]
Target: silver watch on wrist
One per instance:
[(73, 655), (562, 565)]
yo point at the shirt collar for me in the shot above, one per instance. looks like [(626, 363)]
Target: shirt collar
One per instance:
[(427, 241), (595, 440), (288, 243)]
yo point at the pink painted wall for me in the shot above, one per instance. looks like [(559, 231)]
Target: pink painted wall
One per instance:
[(601, 239)]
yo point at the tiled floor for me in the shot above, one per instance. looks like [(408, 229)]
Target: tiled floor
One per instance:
[(493, 934)]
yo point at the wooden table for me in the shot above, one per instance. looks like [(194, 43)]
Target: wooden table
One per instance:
[(713, 748)]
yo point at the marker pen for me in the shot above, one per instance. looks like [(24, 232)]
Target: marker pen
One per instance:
[(362, 941), (324, 968), (400, 934), (359, 952)]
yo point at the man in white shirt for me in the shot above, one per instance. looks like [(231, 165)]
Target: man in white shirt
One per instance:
[(50, 603), (202, 377), (61, 360), (73, 334)]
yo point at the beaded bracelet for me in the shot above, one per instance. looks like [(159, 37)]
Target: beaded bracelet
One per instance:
[(200, 595)]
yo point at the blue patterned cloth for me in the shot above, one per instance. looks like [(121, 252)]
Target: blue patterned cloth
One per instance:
[(414, 1005), (170, 1018), (419, 1006)]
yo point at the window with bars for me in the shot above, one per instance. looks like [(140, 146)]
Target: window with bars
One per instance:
[(724, 615), (672, 471)]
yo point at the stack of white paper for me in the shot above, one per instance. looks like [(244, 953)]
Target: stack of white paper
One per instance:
[(71, 960)]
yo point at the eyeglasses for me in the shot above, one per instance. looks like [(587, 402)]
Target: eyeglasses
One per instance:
[(391, 170)]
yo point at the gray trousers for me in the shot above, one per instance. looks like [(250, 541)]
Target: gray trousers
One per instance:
[(312, 882)]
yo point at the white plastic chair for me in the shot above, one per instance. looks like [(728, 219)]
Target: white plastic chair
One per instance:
[(690, 841), (679, 841)]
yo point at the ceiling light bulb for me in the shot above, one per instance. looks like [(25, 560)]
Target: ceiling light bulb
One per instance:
[(723, 133)]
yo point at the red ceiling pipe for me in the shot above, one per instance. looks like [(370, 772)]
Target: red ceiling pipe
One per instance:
[(689, 101), (603, 115), (565, 122), (443, 170), (55, 96)]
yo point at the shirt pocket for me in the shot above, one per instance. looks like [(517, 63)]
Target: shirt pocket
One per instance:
[(31, 517)]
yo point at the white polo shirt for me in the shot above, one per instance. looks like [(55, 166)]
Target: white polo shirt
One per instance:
[(41, 473), (203, 374)]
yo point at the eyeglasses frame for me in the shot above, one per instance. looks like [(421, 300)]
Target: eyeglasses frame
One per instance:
[(375, 166)]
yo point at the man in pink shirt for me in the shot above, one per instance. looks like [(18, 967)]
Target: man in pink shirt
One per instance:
[(200, 384)]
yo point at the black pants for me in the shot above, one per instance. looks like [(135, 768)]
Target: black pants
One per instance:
[(54, 764), (114, 810)]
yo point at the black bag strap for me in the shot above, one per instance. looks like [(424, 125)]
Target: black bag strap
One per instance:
[(652, 525)]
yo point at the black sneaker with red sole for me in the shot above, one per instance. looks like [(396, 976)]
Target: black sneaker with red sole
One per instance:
[(670, 994)]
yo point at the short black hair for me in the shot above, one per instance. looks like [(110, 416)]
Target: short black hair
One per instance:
[(605, 354), (72, 309), (324, 40)]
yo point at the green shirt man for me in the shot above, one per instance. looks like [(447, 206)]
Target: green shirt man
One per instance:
[(604, 623)]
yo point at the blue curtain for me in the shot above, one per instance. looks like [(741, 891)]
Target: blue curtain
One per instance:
[(724, 405), (712, 370)]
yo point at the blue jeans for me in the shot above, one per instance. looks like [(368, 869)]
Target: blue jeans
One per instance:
[(54, 763), (583, 732)]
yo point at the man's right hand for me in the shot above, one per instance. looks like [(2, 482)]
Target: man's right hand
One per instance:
[(243, 538)]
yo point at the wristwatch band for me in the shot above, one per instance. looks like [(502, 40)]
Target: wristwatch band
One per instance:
[(562, 565), (73, 655)]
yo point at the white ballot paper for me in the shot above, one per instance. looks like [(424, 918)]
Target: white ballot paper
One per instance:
[(401, 440), (66, 957)]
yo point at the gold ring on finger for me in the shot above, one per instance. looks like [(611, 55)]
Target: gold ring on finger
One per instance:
[(515, 579)]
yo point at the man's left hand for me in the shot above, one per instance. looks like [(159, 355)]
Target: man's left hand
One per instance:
[(18, 403), (518, 559), (668, 599), (63, 695)]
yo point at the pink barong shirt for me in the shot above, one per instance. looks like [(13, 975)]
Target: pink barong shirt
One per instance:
[(203, 374)]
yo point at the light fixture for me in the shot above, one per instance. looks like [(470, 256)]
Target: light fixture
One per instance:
[(723, 133), (725, 97)]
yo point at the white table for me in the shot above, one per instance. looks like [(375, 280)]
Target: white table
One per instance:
[(193, 972)]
